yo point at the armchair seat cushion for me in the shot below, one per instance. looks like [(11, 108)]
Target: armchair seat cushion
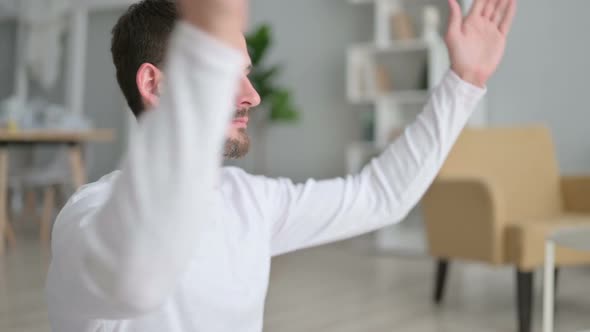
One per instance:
[(525, 242)]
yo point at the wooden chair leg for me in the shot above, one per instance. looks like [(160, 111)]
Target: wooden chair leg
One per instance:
[(9, 234), (5, 227), (46, 220), (30, 207), (440, 280), (61, 196), (556, 279), (9, 230), (77, 166), (524, 299)]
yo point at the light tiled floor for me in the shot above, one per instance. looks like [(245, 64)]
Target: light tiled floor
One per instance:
[(340, 288)]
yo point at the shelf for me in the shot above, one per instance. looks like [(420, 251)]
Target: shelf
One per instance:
[(359, 154), (401, 97), (93, 5), (407, 97), (363, 147), (361, 2), (396, 46), (466, 4), (8, 11)]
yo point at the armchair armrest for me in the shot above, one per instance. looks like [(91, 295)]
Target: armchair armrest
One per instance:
[(576, 193), (464, 219)]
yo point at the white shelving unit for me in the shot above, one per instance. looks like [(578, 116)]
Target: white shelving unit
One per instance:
[(412, 68), (76, 52)]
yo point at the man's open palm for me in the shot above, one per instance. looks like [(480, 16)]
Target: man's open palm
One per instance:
[(477, 42)]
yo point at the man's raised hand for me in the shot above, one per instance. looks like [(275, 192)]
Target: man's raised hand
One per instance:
[(477, 42)]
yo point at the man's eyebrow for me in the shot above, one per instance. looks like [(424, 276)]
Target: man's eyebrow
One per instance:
[(249, 69)]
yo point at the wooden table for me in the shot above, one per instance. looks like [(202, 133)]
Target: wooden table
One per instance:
[(74, 140)]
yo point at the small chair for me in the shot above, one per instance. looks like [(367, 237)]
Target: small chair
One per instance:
[(496, 199), (47, 172)]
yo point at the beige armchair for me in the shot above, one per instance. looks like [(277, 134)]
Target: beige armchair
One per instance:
[(497, 197)]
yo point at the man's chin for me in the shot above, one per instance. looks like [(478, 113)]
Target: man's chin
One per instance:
[(237, 146)]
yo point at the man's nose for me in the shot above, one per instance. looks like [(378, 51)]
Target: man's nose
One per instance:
[(248, 96)]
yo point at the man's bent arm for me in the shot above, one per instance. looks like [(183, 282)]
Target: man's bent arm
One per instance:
[(319, 212), (123, 257)]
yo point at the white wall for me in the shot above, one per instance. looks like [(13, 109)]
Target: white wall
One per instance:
[(544, 77), (311, 40), (7, 57), (103, 102)]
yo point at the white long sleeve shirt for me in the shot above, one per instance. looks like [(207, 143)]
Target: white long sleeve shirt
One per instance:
[(174, 242)]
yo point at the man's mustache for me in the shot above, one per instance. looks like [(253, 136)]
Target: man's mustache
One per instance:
[(242, 113)]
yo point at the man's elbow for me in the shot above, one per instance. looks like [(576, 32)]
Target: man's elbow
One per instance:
[(135, 293), (139, 300)]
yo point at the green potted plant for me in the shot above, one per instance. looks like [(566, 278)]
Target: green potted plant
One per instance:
[(277, 104), (275, 98)]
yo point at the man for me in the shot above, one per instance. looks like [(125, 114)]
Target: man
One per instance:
[(174, 242)]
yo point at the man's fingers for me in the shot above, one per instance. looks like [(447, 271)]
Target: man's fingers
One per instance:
[(490, 8), (477, 8), (456, 16), (500, 12), (506, 23)]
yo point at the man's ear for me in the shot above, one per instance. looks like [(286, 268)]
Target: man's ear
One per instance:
[(148, 82)]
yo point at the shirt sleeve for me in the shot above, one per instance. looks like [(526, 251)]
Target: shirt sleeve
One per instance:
[(119, 252), (318, 212)]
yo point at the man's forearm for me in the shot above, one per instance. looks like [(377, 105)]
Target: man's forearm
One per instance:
[(386, 189)]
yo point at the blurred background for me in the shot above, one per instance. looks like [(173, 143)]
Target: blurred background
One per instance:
[(340, 79)]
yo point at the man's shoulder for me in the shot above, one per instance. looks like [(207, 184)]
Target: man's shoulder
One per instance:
[(232, 170), (99, 188), (89, 196), (236, 180), (236, 176)]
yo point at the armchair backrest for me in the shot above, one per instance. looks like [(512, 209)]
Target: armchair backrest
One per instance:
[(520, 161)]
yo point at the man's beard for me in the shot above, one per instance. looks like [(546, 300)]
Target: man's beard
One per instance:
[(238, 147)]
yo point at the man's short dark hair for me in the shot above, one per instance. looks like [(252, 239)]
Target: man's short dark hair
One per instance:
[(141, 36)]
